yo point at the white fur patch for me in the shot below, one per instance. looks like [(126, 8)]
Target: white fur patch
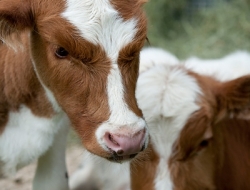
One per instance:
[(26, 137), (226, 68), (120, 116), (163, 180), (167, 95), (149, 57), (101, 24)]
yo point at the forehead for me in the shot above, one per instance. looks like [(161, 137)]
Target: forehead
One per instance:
[(99, 22)]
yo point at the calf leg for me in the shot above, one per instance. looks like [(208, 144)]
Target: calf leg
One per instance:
[(51, 172)]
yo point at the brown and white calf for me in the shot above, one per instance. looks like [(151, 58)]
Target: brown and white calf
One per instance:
[(69, 62), (199, 127)]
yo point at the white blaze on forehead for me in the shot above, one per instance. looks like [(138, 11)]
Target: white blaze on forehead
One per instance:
[(101, 24), (120, 112), (120, 115)]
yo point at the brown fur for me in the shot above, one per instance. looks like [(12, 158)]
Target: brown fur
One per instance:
[(15, 17), (20, 85), (83, 74), (124, 8), (143, 170), (198, 162), (212, 149), (233, 157)]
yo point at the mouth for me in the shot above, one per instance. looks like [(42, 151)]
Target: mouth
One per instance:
[(119, 159), (123, 158)]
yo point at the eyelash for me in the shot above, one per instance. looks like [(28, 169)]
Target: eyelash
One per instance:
[(61, 53)]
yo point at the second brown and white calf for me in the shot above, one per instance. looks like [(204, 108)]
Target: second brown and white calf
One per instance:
[(199, 126)]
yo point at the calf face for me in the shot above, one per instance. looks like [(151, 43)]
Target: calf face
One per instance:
[(201, 151), (85, 55), (185, 112)]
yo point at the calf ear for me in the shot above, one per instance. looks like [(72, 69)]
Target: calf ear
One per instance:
[(233, 98), (15, 16)]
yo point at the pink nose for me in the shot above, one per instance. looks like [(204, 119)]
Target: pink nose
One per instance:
[(125, 145)]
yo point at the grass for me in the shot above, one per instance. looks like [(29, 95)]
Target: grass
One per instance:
[(208, 33)]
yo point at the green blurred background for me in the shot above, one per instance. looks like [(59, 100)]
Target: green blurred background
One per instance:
[(205, 28)]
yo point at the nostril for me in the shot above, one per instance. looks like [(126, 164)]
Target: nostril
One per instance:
[(111, 143), (125, 145), (112, 139), (120, 152)]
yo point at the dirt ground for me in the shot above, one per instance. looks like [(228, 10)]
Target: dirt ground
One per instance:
[(23, 179)]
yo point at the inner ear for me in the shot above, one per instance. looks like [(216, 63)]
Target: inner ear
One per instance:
[(15, 17)]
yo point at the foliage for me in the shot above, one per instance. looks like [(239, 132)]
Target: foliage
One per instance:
[(209, 32)]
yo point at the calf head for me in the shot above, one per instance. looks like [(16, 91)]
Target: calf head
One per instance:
[(184, 112), (86, 56), (194, 159)]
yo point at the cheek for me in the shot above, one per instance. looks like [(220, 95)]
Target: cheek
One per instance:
[(92, 146), (204, 165), (87, 135), (68, 86), (194, 173)]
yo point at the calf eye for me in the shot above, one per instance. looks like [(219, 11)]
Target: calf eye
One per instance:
[(61, 53), (204, 143)]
